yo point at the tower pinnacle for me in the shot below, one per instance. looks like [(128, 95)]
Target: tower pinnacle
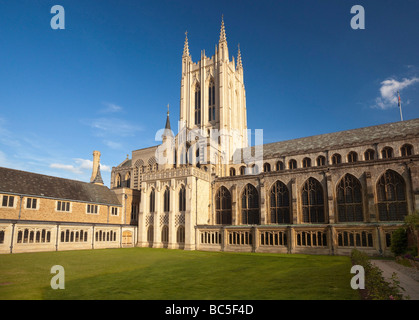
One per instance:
[(223, 37), (239, 59), (186, 46)]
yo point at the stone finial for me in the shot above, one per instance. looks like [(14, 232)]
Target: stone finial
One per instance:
[(186, 46), (223, 37), (239, 60)]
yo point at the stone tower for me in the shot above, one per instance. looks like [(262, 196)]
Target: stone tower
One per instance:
[(213, 96)]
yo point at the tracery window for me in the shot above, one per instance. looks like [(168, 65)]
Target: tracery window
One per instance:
[(166, 206), (349, 199), (266, 167), (182, 199), (279, 203), (313, 202), (165, 234), (232, 172), (223, 212), (180, 235), (250, 205), (391, 196), (197, 104), (211, 100), (152, 200)]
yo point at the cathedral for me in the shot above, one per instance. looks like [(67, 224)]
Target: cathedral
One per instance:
[(207, 188)]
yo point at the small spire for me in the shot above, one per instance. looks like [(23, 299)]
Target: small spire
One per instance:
[(167, 127), (239, 59), (223, 37), (98, 178), (186, 46)]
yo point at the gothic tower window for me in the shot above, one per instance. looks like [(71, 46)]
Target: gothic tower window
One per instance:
[(391, 196), (279, 203), (242, 170), (128, 180), (197, 104), (313, 202), (150, 234), (166, 200), (182, 199), (250, 205), (118, 181), (223, 206), (152, 201), (266, 167), (349, 199), (211, 100), (232, 172)]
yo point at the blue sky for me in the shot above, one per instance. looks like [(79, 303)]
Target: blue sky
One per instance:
[(103, 82)]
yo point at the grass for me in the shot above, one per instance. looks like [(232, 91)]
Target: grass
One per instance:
[(161, 274)]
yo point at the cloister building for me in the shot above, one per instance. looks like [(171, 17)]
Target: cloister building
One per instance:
[(206, 188)]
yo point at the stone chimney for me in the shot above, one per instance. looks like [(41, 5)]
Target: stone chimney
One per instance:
[(96, 176)]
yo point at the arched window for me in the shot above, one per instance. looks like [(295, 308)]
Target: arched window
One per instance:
[(118, 182), (279, 166), (321, 161), (306, 163), (182, 199), (211, 100), (313, 201), (352, 156), (128, 180), (250, 205), (152, 201), (223, 206), (150, 234), (406, 150), (279, 203), (242, 170), (255, 169), (180, 235), (387, 153), (166, 197), (232, 172), (266, 167), (165, 234), (292, 164), (336, 158), (369, 155), (349, 199), (391, 196), (197, 104)]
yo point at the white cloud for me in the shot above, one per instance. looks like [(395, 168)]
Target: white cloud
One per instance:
[(113, 126), (80, 166), (111, 107), (66, 167), (388, 92)]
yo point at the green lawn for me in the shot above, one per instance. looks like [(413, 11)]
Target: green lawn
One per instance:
[(154, 274)]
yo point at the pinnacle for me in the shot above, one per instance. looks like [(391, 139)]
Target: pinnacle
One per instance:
[(186, 46)]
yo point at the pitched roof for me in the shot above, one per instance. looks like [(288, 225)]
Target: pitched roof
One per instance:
[(342, 139), (34, 184)]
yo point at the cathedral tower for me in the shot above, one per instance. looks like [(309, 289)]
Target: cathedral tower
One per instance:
[(213, 96)]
